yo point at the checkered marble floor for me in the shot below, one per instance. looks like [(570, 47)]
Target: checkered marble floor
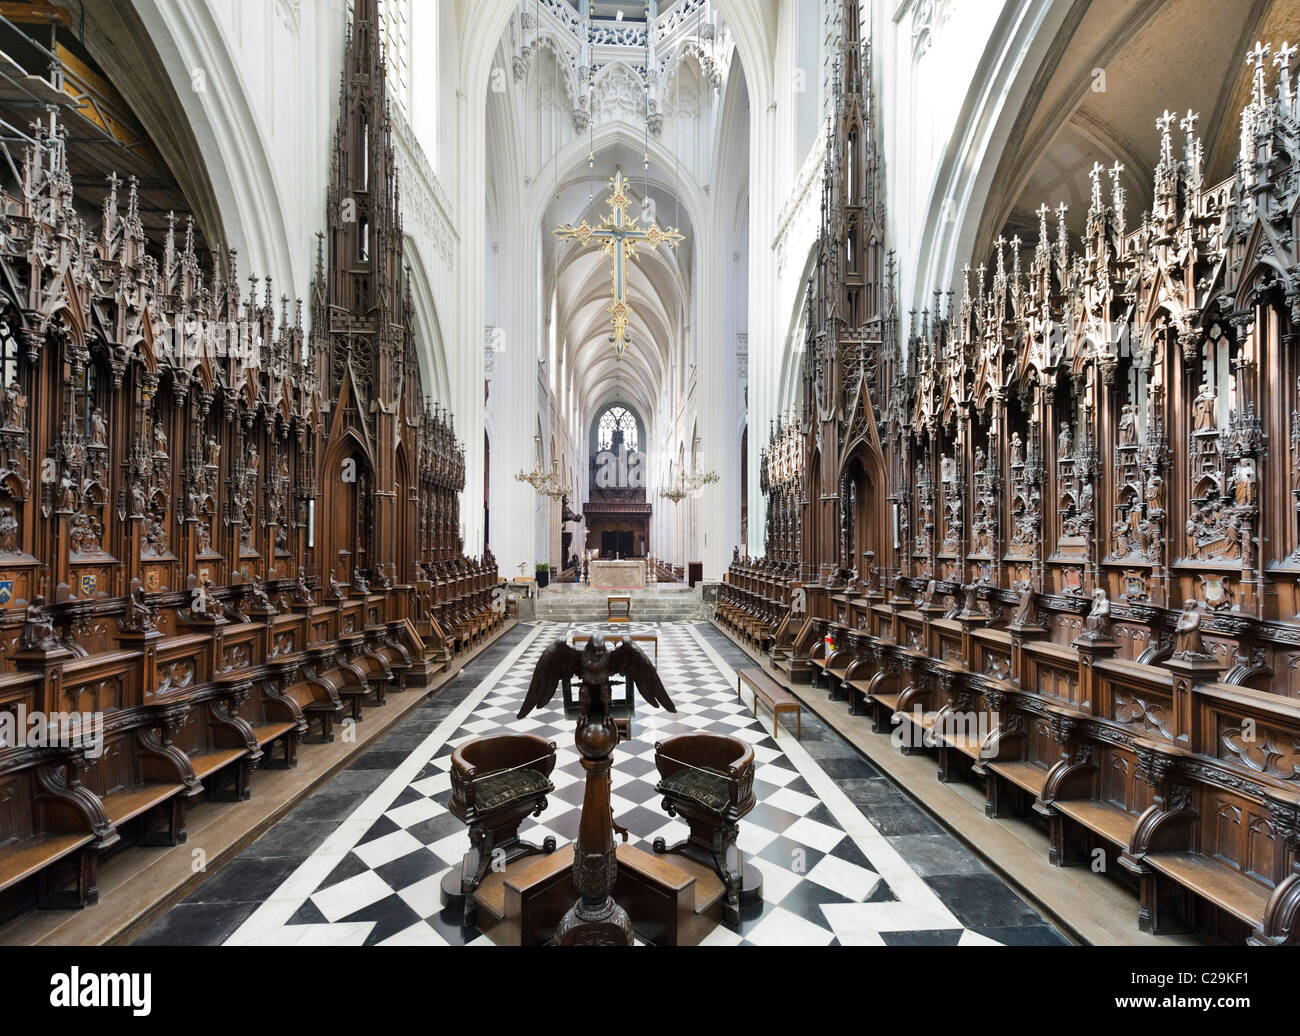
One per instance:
[(829, 874)]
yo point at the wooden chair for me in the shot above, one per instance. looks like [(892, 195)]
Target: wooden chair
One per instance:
[(618, 609), (496, 782), (708, 780)]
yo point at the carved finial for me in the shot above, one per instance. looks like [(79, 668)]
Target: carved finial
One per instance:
[(1062, 234), (1164, 124), (1283, 60), (1116, 187), (1257, 57)]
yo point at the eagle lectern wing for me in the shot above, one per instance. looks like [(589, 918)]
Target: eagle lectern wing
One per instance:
[(631, 661), (559, 662)]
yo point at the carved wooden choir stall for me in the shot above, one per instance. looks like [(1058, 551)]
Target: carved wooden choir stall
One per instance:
[(220, 531), (1059, 538)]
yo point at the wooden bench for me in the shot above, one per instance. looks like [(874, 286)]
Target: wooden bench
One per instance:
[(47, 826), (776, 697)]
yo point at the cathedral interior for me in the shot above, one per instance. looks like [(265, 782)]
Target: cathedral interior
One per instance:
[(874, 423)]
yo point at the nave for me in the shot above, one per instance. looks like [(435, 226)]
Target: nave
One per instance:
[(846, 857)]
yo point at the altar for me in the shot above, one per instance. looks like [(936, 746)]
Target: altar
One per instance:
[(616, 575)]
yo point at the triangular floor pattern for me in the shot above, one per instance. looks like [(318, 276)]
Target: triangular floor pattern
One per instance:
[(846, 858)]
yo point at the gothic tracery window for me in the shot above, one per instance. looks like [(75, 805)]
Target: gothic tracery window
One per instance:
[(617, 419)]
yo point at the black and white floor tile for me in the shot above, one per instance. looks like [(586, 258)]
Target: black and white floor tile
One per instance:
[(846, 857)]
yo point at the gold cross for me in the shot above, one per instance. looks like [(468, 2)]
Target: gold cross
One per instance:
[(619, 235)]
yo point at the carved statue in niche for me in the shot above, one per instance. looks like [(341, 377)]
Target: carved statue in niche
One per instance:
[(1128, 425), (1017, 450), (139, 500), (1096, 627), (1188, 645), (8, 530), (1243, 482), (68, 492), (202, 536), (15, 407), (1063, 442), (159, 438), (214, 452), (1205, 407), (98, 428), (1122, 533), (38, 629), (1155, 495)]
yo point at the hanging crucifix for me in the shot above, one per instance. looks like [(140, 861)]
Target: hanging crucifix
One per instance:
[(619, 235)]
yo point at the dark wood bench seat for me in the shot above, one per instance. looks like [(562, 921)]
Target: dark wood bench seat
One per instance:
[(38, 855), (776, 697), (207, 763), (1028, 776), (129, 803), (1101, 818), (1228, 889)]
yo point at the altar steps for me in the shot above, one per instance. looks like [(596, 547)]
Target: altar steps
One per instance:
[(648, 605)]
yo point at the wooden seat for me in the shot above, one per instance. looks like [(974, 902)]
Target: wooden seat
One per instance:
[(708, 780), (1228, 889), (771, 693), (1101, 818), (618, 609), (496, 782), (1028, 776)]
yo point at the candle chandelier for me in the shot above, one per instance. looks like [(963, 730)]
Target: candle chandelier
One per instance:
[(547, 483), (689, 484)]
